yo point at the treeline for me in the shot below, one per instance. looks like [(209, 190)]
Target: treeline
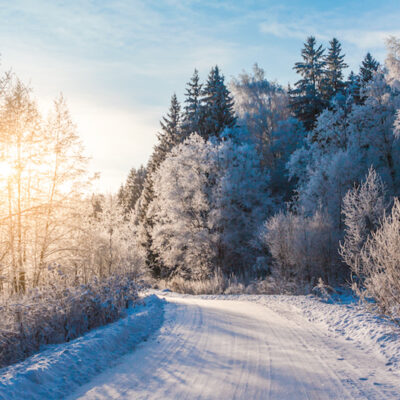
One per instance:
[(68, 260), (251, 178), (51, 229)]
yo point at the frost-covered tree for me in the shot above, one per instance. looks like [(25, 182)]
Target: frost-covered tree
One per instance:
[(392, 62), (180, 234), (209, 198), (303, 248), (240, 200), (260, 106), (107, 241), (306, 99), (65, 178), (117, 248), (264, 115), (171, 135), (379, 263), (363, 208), (217, 112), (43, 177), (350, 140), (130, 192)]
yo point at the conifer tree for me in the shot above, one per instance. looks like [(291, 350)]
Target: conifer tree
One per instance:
[(131, 191), (368, 66), (367, 69), (145, 221), (171, 133), (191, 115), (335, 65), (306, 99), (353, 86), (217, 106)]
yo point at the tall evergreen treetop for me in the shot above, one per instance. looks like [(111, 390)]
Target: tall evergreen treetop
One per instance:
[(192, 109), (130, 192), (335, 65), (171, 132), (353, 87), (170, 124), (217, 106), (367, 69), (306, 99)]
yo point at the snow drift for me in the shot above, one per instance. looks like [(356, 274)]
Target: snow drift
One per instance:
[(60, 369)]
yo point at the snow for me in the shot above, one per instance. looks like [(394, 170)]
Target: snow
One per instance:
[(60, 369), (221, 346), (344, 318), (248, 347), (350, 321)]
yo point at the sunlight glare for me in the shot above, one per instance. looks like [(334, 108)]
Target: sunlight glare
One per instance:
[(5, 170)]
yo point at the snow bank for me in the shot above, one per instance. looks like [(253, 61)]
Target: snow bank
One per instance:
[(60, 369), (345, 319)]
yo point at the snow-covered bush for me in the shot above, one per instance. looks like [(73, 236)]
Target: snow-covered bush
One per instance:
[(302, 248), (380, 264), (363, 208), (219, 283), (56, 314), (371, 246), (105, 244)]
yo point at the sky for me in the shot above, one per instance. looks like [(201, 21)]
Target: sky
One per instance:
[(118, 62)]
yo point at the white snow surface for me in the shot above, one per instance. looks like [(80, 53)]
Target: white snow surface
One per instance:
[(60, 369), (221, 347), (257, 347), (347, 319), (351, 321)]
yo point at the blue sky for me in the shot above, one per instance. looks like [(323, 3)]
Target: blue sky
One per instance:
[(118, 62)]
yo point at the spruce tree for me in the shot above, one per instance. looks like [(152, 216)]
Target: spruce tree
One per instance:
[(192, 109), (146, 222), (334, 67), (367, 69), (353, 86), (121, 195), (129, 193), (171, 133), (306, 99), (217, 106)]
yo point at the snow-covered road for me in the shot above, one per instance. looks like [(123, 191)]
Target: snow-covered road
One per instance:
[(226, 349)]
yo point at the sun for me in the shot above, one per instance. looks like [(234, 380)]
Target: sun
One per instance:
[(5, 170)]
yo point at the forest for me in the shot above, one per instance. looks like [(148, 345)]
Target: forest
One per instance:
[(252, 187)]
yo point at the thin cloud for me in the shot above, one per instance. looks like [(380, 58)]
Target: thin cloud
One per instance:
[(289, 30), (364, 39), (367, 30)]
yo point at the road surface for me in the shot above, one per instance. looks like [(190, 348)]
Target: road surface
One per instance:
[(223, 349)]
